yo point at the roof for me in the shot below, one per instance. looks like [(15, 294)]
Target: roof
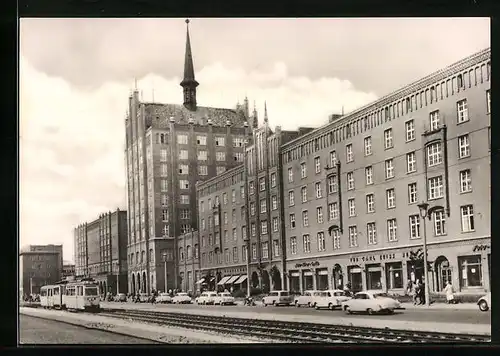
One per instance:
[(159, 115)]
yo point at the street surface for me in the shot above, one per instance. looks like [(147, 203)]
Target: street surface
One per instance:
[(419, 315), (41, 331)]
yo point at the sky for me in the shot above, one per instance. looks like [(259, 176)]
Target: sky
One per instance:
[(76, 76)]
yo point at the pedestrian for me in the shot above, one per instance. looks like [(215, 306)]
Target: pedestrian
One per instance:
[(450, 297), (416, 293), (421, 292)]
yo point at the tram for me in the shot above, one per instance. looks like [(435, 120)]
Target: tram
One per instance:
[(82, 295), (51, 296)]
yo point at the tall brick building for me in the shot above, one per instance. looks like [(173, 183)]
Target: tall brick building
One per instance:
[(39, 265), (169, 148)]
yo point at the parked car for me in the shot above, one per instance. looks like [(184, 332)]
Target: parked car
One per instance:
[(206, 298), (330, 299), (280, 297), (143, 298), (304, 299), (371, 302), (181, 298), (120, 297), (484, 302), (164, 298), (224, 298)]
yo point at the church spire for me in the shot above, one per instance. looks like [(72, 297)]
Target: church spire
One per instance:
[(266, 119), (255, 119), (189, 83)]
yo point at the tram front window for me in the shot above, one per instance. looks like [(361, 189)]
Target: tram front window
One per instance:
[(91, 291)]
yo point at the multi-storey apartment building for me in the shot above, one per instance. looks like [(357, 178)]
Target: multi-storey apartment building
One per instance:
[(39, 265), (101, 251), (68, 269), (234, 237), (169, 148), (352, 189), (189, 261)]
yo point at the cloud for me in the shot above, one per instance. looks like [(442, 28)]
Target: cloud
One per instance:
[(72, 140)]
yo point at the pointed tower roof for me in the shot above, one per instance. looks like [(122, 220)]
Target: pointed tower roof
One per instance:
[(266, 119), (189, 79)]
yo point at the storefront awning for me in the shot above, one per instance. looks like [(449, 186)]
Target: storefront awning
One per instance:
[(241, 279), (223, 280), (200, 281), (232, 279)]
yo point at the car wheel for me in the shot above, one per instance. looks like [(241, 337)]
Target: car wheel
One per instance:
[(390, 311), (274, 303), (316, 306), (309, 304), (370, 311), (483, 306), (347, 310), (264, 303), (330, 306), (297, 304)]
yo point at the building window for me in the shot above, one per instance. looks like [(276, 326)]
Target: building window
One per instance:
[(163, 155), (470, 271), (275, 224), (388, 141), (434, 120), (352, 207), (164, 200), (233, 196), (319, 215), (303, 170), (318, 189), (305, 218), (414, 226), (220, 141), (202, 170), (467, 214), (254, 251), (333, 211), (242, 192), (237, 142), (244, 251), (226, 255), (434, 154), (225, 218), (488, 101), (317, 165), (276, 248), (273, 180), (371, 233), (238, 157), (394, 273), (463, 146), (439, 223), (262, 184), (436, 189), (462, 111), (201, 140), (202, 155), (350, 180), (292, 221), (336, 239), (353, 236), (332, 184), (235, 254), (182, 139), (392, 230), (251, 188), (291, 198), (411, 162), (465, 181), (252, 209), (183, 184), (203, 225), (307, 243), (253, 229), (163, 185), (220, 156), (370, 203), (389, 168), (410, 130), (333, 159), (304, 194), (263, 227), (263, 206), (369, 175), (224, 198), (274, 202), (321, 241), (368, 145), (348, 153), (412, 193), (290, 175), (293, 245), (183, 154), (164, 215)]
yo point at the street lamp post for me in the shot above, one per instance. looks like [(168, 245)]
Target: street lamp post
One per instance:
[(423, 213), (165, 265)]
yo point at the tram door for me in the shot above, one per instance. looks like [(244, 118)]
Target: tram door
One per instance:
[(50, 298)]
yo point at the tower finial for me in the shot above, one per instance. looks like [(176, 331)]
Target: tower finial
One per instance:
[(189, 83), (265, 112), (342, 110)]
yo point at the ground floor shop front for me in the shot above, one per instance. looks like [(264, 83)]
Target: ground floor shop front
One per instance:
[(466, 264)]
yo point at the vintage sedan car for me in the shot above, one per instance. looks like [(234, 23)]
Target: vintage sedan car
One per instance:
[(304, 299), (164, 298), (181, 298), (120, 297), (484, 303), (330, 299), (371, 302), (224, 298), (206, 298), (280, 297)]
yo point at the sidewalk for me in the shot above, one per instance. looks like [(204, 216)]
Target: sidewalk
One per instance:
[(442, 306)]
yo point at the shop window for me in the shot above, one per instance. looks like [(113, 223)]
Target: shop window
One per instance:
[(308, 280), (394, 275), (374, 277), (355, 278), (470, 271), (322, 279)]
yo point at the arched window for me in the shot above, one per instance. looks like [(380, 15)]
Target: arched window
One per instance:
[(181, 253), (188, 252), (196, 251), (443, 273), (460, 82), (137, 258), (143, 254), (151, 255)]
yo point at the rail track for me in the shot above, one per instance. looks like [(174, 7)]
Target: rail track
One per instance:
[(284, 331)]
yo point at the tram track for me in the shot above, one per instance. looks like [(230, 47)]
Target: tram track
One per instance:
[(285, 331)]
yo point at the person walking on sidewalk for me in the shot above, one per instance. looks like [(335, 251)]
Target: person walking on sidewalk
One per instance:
[(416, 293), (450, 296)]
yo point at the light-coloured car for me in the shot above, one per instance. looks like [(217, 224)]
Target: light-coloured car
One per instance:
[(279, 297), (206, 298), (120, 297), (224, 298), (371, 302), (143, 298), (330, 299), (164, 298), (304, 299), (484, 302), (181, 298)]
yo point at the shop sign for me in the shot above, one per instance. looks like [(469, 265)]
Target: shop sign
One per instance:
[(479, 248), (373, 258), (307, 264)]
